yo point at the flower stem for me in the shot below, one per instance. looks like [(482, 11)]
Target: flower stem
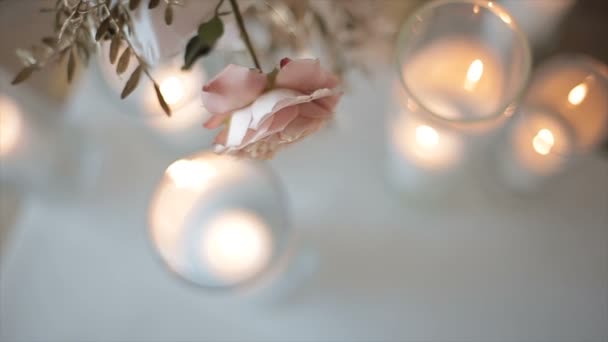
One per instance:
[(244, 34)]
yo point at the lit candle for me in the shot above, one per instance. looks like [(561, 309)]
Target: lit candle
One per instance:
[(539, 145), (214, 220), (10, 125), (467, 85), (236, 245), (421, 153), (576, 89)]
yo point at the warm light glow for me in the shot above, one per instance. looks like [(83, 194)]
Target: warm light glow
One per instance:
[(10, 125), (490, 4), (505, 17), (543, 142), (577, 94), (474, 74), (172, 89), (236, 245), (193, 174), (476, 9), (426, 136)]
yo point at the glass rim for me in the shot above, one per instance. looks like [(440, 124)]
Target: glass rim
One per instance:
[(497, 10)]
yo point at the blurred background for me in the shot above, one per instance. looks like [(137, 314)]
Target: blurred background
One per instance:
[(489, 260)]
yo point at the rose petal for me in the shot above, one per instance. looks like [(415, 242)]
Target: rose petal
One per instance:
[(299, 128), (239, 123), (266, 105), (305, 75), (221, 137), (216, 120), (233, 88)]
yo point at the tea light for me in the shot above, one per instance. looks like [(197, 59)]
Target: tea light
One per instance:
[(539, 145), (466, 86), (11, 125), (422, 153), (236, 245), (216, 220), (576, 89)]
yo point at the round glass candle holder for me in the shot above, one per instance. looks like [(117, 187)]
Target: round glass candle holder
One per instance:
[(220, 222), (536, 146), (462, 67), (463, 62), (575, 88)]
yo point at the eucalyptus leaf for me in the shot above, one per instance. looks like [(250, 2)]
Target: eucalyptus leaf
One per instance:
[(132, 82), (161, 100), (23, 75), (123, 62), (71, 65), (153, 4), (114, 47), (103, 28), (133, 4), (169, 15)]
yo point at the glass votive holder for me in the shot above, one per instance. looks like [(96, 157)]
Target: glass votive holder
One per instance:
[(221, 222), (458, 85), (574, 87), (564, 116), (537, 145)]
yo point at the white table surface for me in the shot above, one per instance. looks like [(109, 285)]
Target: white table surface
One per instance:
[(482, 264)]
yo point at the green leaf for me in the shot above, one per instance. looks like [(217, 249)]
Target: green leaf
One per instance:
[(195, 49), (211, 31)]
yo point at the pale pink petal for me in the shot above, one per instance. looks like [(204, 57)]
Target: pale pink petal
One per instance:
[(314, 110), (216, 120), (299, 128), (233, 88), (221, 137), (239, 123), (305, 75), (266, 105), (275, 100)]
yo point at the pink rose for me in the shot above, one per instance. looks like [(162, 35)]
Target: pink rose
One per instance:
[(260, 115)]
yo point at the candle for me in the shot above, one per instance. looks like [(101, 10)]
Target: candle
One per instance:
[(10, 125), (576, 89), (539, 145), (236, 245), (467, 85), (422, 153), (217, 221)]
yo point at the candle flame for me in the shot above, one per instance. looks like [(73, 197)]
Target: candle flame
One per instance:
[(474, 74), (543, 142), (577, 95), (192, 174), (172, 89), (426, 136)]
